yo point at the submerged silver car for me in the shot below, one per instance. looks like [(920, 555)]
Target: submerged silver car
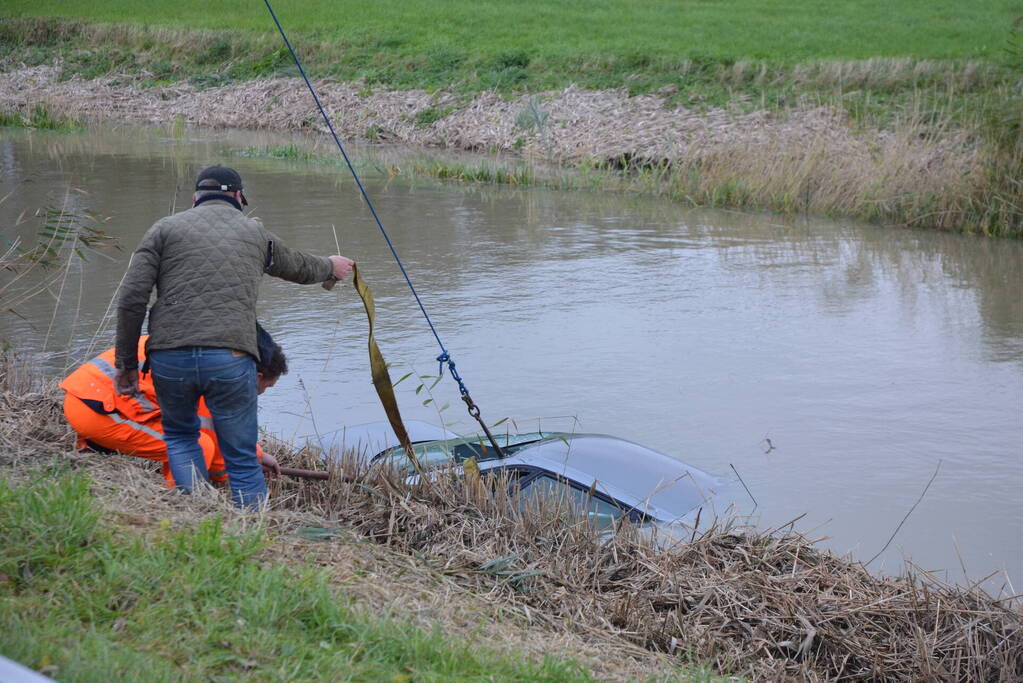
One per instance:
[(604, 476)]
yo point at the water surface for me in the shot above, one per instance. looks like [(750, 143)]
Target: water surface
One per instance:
[(833, 364)]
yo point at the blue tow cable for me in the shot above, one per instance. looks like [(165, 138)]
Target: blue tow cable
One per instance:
[(444, 356)]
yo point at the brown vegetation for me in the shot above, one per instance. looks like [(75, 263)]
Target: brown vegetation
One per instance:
[(764, 605), (813, 159)]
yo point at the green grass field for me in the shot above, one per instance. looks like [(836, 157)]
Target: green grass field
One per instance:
[(531, 45), (85, 602), (544, 29)]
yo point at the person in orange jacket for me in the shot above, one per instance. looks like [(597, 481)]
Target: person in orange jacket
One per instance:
[(109, 422)]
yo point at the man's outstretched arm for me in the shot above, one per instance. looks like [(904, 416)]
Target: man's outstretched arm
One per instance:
[(302, 268)]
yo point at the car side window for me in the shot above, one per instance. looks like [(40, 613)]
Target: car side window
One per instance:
[(544, 490), (504, 478)]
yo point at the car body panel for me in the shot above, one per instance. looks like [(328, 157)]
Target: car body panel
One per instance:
[(638, 478)]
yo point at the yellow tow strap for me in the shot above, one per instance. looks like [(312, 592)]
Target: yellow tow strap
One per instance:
[(381, 377)]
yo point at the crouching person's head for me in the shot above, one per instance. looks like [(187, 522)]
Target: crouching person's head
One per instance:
[(272, 362), (268, 374)]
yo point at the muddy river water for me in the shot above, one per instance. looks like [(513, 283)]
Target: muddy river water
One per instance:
[(833, 364)]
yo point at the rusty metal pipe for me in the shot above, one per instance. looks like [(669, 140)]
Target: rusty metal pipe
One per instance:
[(308, 474)]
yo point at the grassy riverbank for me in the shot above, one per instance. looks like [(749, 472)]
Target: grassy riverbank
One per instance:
[(702, 54), (908, 115), (104, 575), (99, 563), (87, 597)]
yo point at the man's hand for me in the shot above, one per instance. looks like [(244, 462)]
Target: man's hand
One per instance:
[(342, 267), (269, 463), (126, 382)]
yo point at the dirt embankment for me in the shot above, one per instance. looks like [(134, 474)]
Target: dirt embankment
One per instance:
[(570, 124)]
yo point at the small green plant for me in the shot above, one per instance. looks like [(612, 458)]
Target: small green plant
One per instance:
[(427, 384), (430, 115), (534, 117), (42, 118), (1014, 45), (218, 52), (271, 63), (178, 130), (288, 151), (479, 173)]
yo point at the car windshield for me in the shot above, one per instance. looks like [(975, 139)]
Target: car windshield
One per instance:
[(436, 453)]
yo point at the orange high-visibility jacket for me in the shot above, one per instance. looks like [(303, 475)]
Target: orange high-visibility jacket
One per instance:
[(138, 430), (93, 383)]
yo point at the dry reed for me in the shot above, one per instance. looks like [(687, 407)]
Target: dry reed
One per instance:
[(764, 605), (749, 602)]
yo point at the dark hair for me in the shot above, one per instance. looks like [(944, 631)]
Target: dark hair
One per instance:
[(276, 366)]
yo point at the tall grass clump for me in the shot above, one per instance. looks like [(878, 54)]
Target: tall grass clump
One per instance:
[(11, 119), (1000, 201), (917, 174), (44, 526), (482, 172), (43, 119), (40, 118)]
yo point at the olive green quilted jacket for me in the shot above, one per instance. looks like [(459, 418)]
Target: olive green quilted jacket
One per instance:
[(206, 264)]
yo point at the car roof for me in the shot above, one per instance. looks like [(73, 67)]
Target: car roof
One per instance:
[(641, 477)]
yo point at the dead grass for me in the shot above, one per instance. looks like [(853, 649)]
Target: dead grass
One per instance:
[(750, 603), (811, 159)]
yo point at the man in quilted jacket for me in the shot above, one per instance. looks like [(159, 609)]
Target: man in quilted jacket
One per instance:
[(206, 264)]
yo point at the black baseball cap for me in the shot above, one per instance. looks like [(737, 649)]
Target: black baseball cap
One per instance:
[(226, 178)]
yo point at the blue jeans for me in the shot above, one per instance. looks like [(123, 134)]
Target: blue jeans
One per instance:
[(228, 382)]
